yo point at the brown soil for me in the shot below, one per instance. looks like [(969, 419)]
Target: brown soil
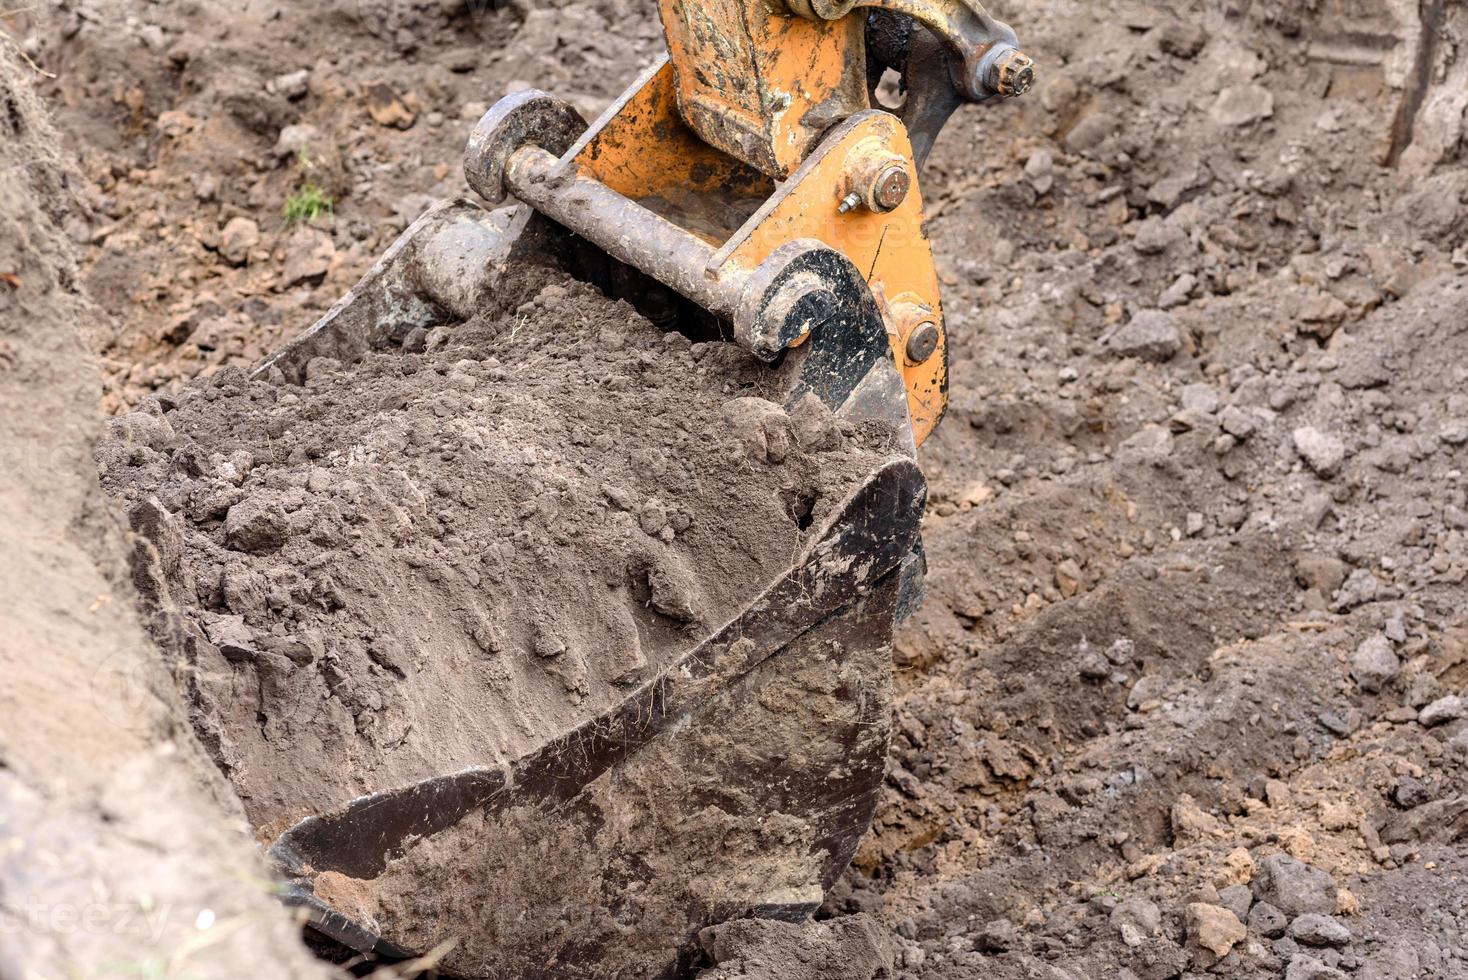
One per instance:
[(1197, 531), (121, 849)]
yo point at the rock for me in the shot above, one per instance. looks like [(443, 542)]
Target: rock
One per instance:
[(1150, 335), (1398, 961), (1178, 293), (1323, 453), (815, 427), (1138, 918), (387, 109), (1375, 664), (1240, 105), (1305, 967), (1214, 928), (1323, 573), (1189, 821), (1199, 398), (292, 85), (1441, 711), (763, 428), (1237, 899), (1267, 921), (256, 524), (1294, 887), (1181, 39), (308, 255), (1410, 793), (296, 139), (1237, 422), (996, 937), (1040, 171), (233, 638), (1091, 131), (1337, 815), (1314, 929), (238, 238)]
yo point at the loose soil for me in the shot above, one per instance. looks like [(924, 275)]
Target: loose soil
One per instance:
[(1189, 673)]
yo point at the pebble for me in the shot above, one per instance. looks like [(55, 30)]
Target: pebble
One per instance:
[(296, 139), (1375, 664), (238, 238), (1237, 422), (1322, 452), (1178, 293), (1267, 921), (256, 524), (1305, 967), (1214, 928), (1240, 105), (1293, 887), (1150, 335), (1441, 711), (1040, 171), (292, 85), (387, 108), (308, 255), (1314, 929), (1199, 398)]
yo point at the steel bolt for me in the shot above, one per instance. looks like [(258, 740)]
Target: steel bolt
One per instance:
[(1011, 73), (922, 342), (891, 187), (848, 202)]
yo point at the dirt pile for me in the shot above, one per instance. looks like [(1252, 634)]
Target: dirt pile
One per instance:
[(115, 853), (439, 556)]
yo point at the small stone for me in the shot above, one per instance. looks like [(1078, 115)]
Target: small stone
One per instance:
[(1150, 335), (1178, 293), (1410, 793), (1213, 928), (1305, 967), (1194, 524), (815, 427), (1441, 711), (1237, 422), (1294, 887), (239, 237), (1068, 578), (1237, 899), (1314, 929), (296, 139), (1335, 815), (1320, 572), (292, 85), (1240, 105), (387, 108), (1267, 921), (1323, 453), (1200, 398), (1040, 171), (1143, 917), (308, 256), (1122, 652), (256, 524), (1375, 664), (996, 937)]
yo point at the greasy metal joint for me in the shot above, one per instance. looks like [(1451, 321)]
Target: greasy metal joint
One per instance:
[(877, 179), (1006, 71), (922, 342)]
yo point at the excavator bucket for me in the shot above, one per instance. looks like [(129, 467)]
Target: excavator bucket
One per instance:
[(736, 781), (743, 189)]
